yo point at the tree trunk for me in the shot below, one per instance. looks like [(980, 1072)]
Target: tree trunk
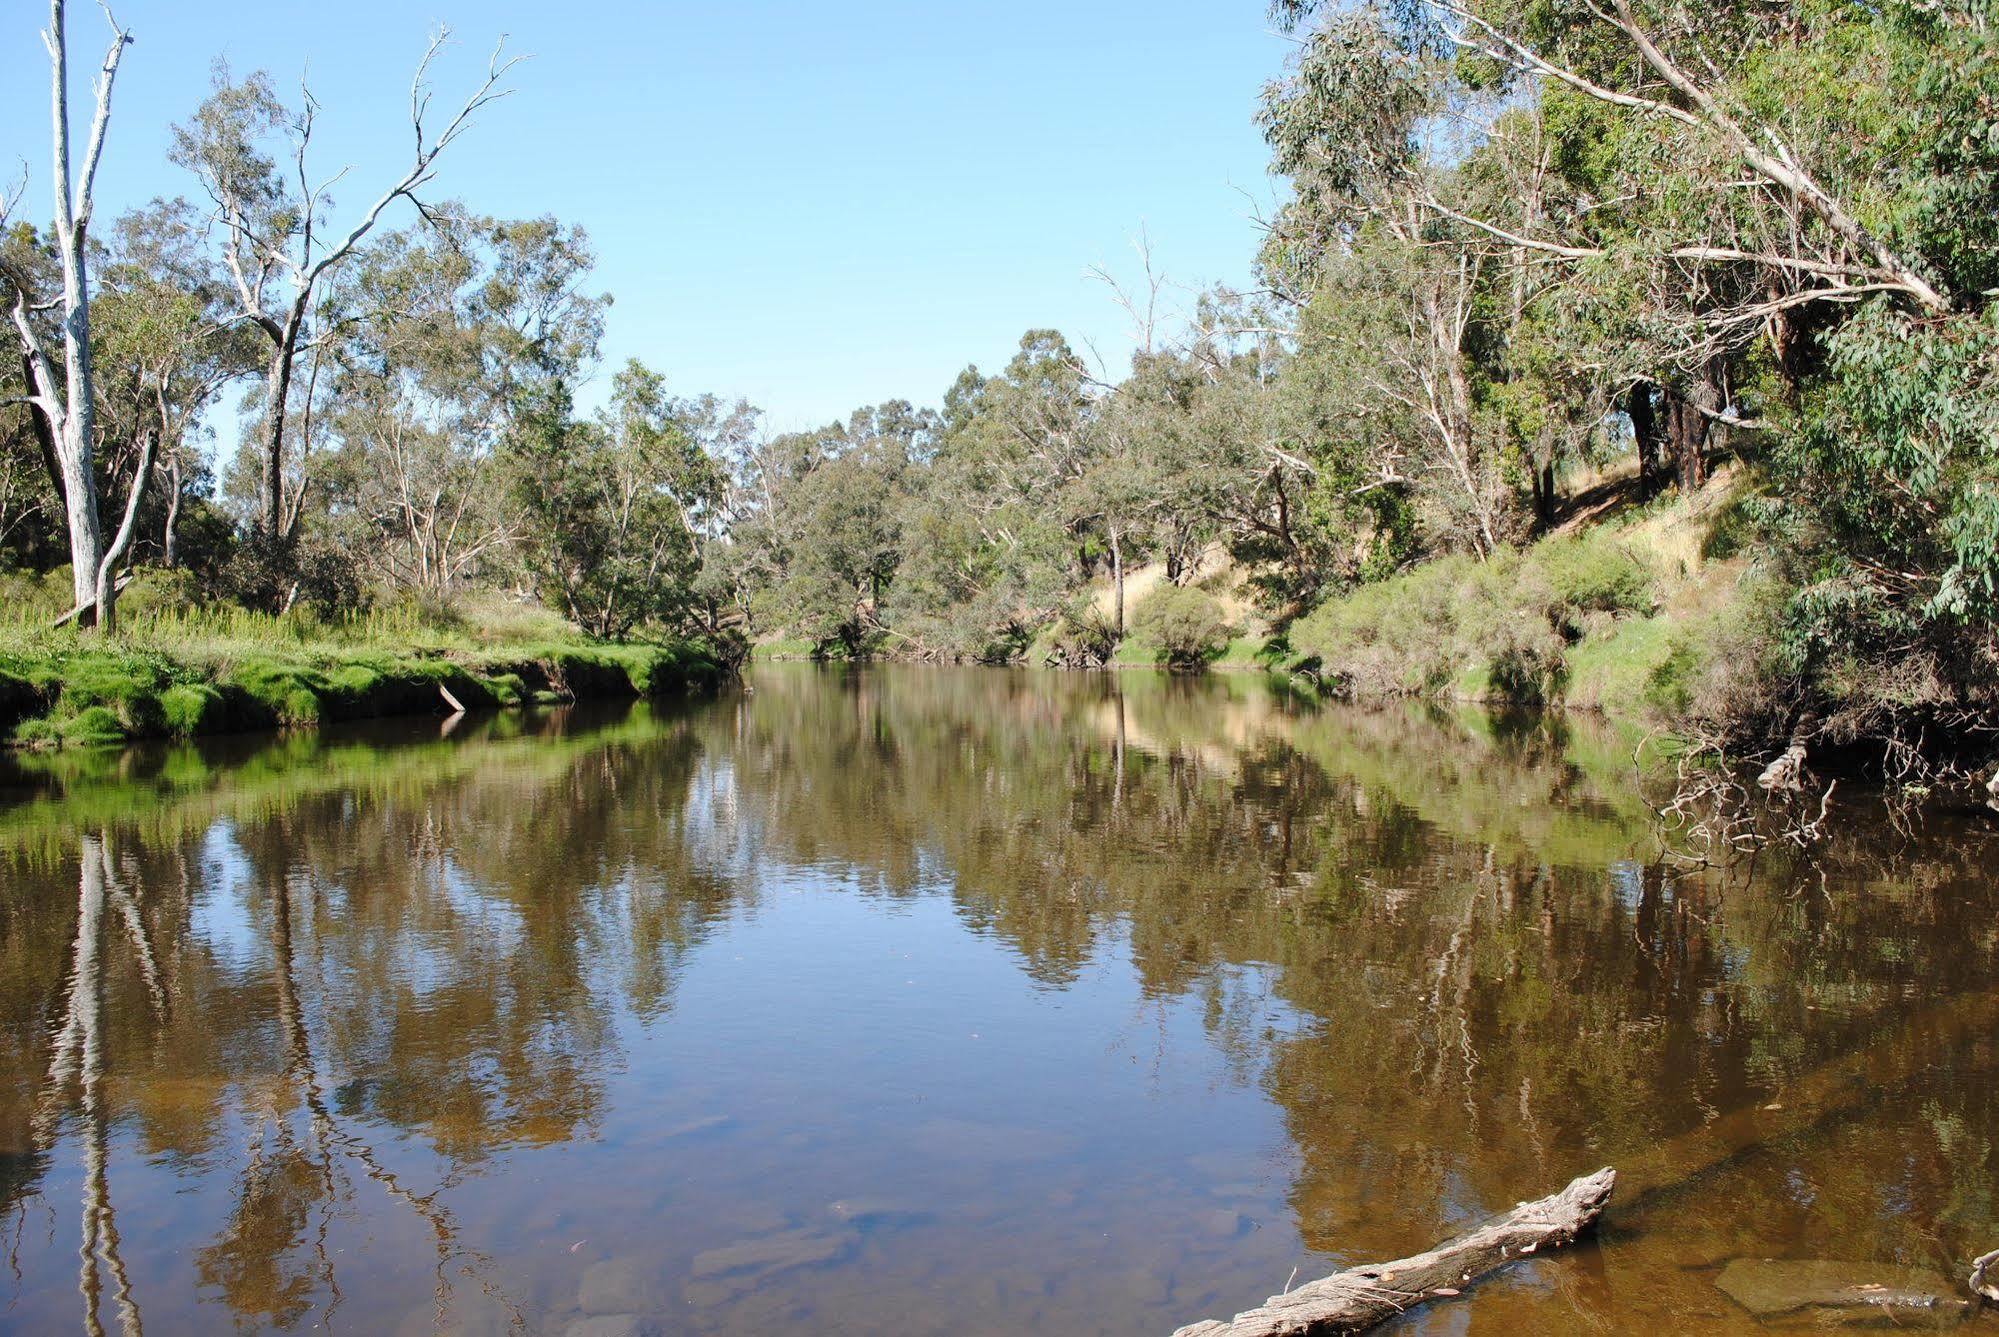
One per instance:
[(1686, 434), (1117, 584), (105, 595), (73, 449), (277, 390), (86, 539), (77, 431), (1644, 431), (1365, 1297), (45, 437), (170, 527), (1543, 481), (1689, 422)]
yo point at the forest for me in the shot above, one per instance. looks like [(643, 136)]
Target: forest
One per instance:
[(1626, 353)]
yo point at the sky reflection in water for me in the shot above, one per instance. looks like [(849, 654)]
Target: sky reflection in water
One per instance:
[(930, 1000)]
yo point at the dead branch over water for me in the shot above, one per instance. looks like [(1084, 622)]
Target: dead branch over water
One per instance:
[(1365, 1297)]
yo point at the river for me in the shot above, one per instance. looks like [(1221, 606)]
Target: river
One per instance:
[(925, 1000)]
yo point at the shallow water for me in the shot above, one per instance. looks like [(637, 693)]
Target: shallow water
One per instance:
[(953, 1001)]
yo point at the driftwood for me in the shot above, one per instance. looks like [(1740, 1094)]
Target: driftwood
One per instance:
[(1980, 1286), (1787, 773), (1364, 1297)]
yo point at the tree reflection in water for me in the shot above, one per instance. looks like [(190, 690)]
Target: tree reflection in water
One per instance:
[(359, 987)]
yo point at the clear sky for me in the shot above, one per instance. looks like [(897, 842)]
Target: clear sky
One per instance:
[(812, 205)]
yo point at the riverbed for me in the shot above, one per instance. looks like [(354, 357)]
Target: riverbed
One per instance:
[(925, 1000)]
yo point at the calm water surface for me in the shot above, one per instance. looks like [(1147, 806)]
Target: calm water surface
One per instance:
[(939, 1001)]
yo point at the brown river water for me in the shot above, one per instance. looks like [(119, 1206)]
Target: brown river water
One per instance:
[(918, 1000)]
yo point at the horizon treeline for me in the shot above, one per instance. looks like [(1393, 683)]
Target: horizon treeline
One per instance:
[(1525, 242)]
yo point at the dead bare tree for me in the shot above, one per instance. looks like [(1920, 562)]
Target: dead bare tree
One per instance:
[(67, 402)]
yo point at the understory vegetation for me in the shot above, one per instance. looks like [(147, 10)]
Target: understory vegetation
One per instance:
[(1639, 356)]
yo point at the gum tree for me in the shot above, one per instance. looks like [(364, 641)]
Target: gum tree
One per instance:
[(65, 397)]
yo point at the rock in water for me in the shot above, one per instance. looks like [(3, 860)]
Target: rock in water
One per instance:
[(612, 1325), (776, 1253), (1852, 1292), (616, 1286)]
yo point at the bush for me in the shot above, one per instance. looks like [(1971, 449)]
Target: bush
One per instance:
[(1498, 630), (276, 574), (1594, 575), (1186, 624), (1082, 640)]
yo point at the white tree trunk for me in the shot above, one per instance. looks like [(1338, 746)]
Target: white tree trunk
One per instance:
[(75, 414)]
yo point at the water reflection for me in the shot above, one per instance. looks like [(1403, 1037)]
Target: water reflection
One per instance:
[(1099, 1002)]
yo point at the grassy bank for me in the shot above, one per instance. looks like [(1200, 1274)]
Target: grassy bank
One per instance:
[(178, 671), (1651, 616)]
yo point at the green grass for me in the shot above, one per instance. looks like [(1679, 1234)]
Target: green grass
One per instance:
[(177, 669), (1583, 620)]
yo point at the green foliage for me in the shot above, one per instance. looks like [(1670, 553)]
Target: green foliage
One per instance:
[(1185, 623), (1491, 283), (612, 507), (1886, 519), (1594, 574), (1082, 639), (1501, 629), (188, 709), (182, 673)]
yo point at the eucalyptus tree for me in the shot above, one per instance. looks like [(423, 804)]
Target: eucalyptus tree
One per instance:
[(984, 559), (613, 509), (1693, 77), (1402, 305), (273, 227), (1000, 524), (65, 396), (1745, 222), (32, 509), (1718, 169), (167, 348), (828, 538)]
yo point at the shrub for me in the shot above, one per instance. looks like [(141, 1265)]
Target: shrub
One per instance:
[(1082, 640), (1186, 624), (276, 574), (1497, 630), (1594, 575)]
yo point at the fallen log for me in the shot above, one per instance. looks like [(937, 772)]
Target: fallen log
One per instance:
[(1980, 1286), (1365, 1297), (85, 614), (1787, 772)]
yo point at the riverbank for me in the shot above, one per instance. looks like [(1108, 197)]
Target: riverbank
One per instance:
[(1641, 616), (1657, 612), (184, 672), (1627, 613)]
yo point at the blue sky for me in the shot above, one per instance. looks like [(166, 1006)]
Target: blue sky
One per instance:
[(814, 206)]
